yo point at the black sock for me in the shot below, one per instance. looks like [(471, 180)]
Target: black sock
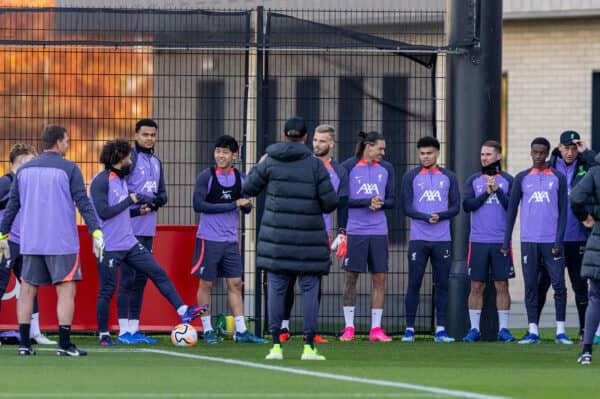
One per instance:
[(24, 333), (275, 333), (64, 336), (310, 340), (587, 348), (581, 308)]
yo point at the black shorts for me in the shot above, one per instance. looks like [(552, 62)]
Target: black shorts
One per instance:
[(366, 253), (486, 262), (213, 259)]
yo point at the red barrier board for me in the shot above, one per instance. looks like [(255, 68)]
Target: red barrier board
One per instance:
[(173, 249)]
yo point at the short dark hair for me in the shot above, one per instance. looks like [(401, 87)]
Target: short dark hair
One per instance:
[(542, 141), (145, 122), (51, 135), (21, 149), (493, 144), (365, 138), (226, 141), (428, 141), (114, 151)]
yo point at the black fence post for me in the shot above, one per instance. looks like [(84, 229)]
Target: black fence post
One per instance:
[(473, 116)]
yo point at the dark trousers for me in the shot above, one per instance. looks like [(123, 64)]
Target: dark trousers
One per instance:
[(13, 265), (277, 287), (573, 253), (592, 314), (290, 296), (419, 252), (131, 286), (537, 256), (140, 259)]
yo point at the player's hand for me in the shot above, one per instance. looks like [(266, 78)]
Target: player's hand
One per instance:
[(555, 252), (133, 197), (98, 244), (4, 248), (589, 222), (581, 147), (341, 236), (145, 209), (242, 202), (376, 203), (504, 251), (342, 246), (434, 218)]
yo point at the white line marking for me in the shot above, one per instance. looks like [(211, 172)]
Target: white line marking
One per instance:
[(184, 395), (340, 377)]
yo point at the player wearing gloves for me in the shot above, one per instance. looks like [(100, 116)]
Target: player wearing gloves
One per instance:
[(323, 143), (219, 198), (372, 184), (147, 181), (45, 192), (111, 201)]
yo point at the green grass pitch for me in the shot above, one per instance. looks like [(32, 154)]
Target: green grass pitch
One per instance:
[(352, 370)]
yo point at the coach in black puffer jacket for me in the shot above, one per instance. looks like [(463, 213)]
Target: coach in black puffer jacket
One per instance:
[(587, 192), (292, 237)]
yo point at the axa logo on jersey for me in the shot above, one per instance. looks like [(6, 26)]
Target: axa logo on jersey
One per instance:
[(539, 196), (368, 188), (431, 196), (150, 186)]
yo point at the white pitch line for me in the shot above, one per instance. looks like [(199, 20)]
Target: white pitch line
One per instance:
[(133, 395), (339, 377)]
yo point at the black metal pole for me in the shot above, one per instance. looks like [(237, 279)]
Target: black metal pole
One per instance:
[(473, 115)]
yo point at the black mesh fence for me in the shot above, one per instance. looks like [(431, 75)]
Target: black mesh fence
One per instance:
[(201, 74)]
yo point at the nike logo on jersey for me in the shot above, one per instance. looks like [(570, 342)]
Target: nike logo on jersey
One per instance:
[(431, 196), (226, 195), (368, 189), (539, 196)]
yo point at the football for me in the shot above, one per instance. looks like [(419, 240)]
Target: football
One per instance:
[(184, 335)]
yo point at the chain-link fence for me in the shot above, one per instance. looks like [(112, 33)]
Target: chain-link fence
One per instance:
[(201, 74)]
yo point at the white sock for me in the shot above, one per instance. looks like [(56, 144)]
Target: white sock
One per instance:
[(475, 316), (349, 316), (410, 329), (105, 333), (560, 327), (285, 324), (376, 317), (35, 325), (503, 319), (598, 330), (533, 329), (182, 309), (206, 323), (134, 326), (439, 328), (240, 324), (123, 326)]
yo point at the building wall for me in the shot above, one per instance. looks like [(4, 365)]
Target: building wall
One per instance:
[(549, 64)]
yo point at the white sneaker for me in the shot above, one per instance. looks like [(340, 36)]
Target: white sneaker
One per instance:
[(42, 340)]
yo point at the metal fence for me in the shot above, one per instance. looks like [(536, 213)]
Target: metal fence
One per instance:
[(201, 74)]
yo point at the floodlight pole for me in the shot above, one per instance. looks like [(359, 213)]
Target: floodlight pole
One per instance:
[(473, 88)]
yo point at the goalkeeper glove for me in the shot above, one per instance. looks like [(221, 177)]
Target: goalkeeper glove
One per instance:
[(98, 244), (340, 244), (4, 248)]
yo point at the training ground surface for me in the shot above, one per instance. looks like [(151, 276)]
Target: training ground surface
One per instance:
[(352, 370)]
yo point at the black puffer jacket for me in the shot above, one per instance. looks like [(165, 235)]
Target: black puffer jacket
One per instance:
[(585, 193), (292, 237)]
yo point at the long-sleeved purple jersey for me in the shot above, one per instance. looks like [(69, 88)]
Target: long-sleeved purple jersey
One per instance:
[(46, 191), (365, 181), (428, 191), (542, 196), (488, 211), (111, 201), (146, 178)]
